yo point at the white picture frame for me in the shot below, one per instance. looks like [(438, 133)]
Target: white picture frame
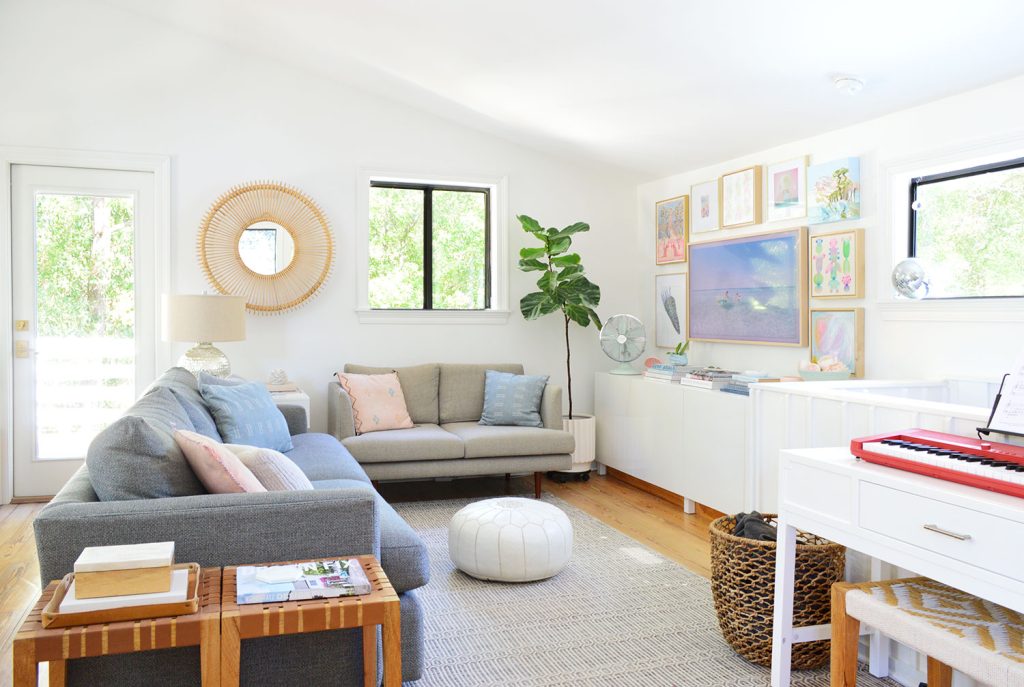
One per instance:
[(787, 190), (704, 207), (740, 198), (669, 299)]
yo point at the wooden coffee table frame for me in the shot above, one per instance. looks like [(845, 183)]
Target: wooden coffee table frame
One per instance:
[(35, 644), (379, 607)]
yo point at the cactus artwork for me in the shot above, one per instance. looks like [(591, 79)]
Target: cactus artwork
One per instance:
[(836, 264)]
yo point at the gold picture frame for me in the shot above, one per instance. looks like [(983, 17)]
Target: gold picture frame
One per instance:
[(820, 327), (671, 230), (740, 198), (848, 276)]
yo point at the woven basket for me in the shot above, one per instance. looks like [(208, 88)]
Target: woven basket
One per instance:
[(743, 585)]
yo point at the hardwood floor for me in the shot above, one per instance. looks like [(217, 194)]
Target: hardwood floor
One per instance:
[(651, 520)]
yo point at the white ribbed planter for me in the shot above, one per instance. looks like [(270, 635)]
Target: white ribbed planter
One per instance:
[(582, 428)]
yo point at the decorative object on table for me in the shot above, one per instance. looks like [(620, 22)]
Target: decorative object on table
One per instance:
[(494, 540), (203, 320), (740, 383), (704, 207), (377, 402), (910, 279), (678, 355), (326, 579), (652, 361), (278, 382), (512, 400), (670, 309), (671, 230), (268, 243), (743, 583), (563, 285), (126, 569), (623, 339), (750, 290), (833, 191), (787, 190), (740, 196), (839, 333), (837, 264)]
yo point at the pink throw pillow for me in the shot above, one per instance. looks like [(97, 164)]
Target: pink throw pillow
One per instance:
[(274, 470), (220, 470), (377, 401)]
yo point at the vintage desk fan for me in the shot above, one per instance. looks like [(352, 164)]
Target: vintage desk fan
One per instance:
[(623, 339)]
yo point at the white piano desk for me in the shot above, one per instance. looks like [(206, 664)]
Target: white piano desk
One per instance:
[(968, 538)]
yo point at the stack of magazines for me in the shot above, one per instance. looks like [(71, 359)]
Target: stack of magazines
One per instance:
[(707, 378), (313, 580), (740, 383), (666, 372)]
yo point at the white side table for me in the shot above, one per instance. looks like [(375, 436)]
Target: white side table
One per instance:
[(292, 398)]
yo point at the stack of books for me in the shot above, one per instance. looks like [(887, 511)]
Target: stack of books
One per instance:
[(740, 383), (707, 378), (666, 372)]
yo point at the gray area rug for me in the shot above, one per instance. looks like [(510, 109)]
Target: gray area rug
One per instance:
[(620, 615)]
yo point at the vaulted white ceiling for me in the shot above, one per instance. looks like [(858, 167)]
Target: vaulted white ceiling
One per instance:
[(655, 86)]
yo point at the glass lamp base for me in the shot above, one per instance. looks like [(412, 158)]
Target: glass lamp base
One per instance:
[(205, 357)]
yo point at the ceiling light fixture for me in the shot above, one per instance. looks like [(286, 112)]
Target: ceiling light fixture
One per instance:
[(848, 84)]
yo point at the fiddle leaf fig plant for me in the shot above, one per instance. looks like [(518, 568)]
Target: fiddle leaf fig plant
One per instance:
[(562, 285)]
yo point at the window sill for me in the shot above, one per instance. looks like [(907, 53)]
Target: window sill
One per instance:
[(939, 310), (371, 316)]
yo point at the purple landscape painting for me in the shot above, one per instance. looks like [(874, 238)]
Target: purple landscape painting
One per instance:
[(750, 290)]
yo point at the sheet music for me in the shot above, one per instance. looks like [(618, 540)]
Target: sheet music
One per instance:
[(1009, 415)]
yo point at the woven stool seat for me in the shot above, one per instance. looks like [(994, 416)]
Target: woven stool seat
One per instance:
[(977, 637)]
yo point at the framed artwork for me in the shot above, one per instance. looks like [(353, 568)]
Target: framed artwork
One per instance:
[(740, 198), (833, 191), (837, 264), (787, 190), (750, 290), (839, 332), (670, 309), (704, 207), (671, 229)]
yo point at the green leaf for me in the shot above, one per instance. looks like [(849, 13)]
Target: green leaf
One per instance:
[(557, 246), (532, 265), (574, 229), (570, 272), (547, 282), (531, 225), (566, 260), (578, 314), (536, 304), (582, 291), (595, 319), (529, 253)]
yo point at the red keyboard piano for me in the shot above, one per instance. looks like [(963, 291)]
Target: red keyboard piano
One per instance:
[(974, 462)]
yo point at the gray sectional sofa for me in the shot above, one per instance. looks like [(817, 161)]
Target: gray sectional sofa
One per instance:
[(445, 402), (158, 500)]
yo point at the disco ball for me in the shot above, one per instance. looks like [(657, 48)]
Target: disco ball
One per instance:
[(910, 279)]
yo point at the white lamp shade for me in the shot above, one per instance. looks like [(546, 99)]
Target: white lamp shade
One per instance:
[(205, 318)]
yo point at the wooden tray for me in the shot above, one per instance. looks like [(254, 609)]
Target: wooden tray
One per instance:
[(52, 617)]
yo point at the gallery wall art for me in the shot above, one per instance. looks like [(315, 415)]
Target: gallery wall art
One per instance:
[(671, 229), (837, 264), (704, 207), (750, 290), (740, 197), (840, 333), (670, 310), (787, 190), (833, 191)]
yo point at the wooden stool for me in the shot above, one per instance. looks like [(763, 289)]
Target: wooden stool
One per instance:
[(957, 631)]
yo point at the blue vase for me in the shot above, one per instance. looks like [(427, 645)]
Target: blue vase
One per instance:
[(678, 359)]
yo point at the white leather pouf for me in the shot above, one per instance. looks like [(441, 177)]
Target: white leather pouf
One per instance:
[(510, 540)]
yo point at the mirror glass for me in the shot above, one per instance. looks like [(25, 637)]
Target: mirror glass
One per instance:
[(266, 247)]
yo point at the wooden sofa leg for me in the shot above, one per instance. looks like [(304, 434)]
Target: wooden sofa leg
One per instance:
[(508, 476), (538, 480), (939, 674), (845, 636)]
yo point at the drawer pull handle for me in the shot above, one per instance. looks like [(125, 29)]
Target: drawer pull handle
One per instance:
[(955, 535)]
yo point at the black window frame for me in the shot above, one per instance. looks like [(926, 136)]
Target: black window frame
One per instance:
[(917, 182), (428, 235)]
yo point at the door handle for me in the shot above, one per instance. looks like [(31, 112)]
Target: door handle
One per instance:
[(954, 535)]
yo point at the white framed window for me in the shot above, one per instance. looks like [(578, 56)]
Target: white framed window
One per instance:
[(431, 248)]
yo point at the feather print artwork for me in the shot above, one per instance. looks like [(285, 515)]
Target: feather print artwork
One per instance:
[(668, 301)]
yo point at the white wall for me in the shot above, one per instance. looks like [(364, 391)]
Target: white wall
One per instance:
[(968, 339), (87, 76)]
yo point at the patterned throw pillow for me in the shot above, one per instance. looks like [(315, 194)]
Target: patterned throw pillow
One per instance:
[(274, 470), (511, 399), (220, 470), (377, 401), (246, 414)]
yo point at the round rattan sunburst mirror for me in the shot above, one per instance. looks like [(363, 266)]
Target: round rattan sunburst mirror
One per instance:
[(267, 242)]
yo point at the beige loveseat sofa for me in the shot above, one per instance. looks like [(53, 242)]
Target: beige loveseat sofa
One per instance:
[(445, 402)]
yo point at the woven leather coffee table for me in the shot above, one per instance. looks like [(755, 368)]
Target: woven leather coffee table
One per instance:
[(379, 607), (35, 644)]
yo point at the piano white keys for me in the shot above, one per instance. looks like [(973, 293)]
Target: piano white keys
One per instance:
[(966, 463)]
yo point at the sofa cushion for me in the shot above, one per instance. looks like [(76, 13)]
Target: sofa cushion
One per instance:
[(136, 456), (512, 399), (185, 388), (485, 441), (247, 414), (461, 390), (378, 403), (321, 456), (419, 384), (422, 442), (403, 555), (216, 466)]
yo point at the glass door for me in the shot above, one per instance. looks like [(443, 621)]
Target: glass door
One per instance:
[(80, 302)]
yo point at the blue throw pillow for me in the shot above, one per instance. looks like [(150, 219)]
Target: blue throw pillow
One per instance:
[(246, 414), (511, 399)]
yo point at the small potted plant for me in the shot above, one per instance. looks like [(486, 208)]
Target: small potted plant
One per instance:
[(678, 355)]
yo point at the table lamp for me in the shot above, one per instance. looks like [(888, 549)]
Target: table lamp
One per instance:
[(204, 319)]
